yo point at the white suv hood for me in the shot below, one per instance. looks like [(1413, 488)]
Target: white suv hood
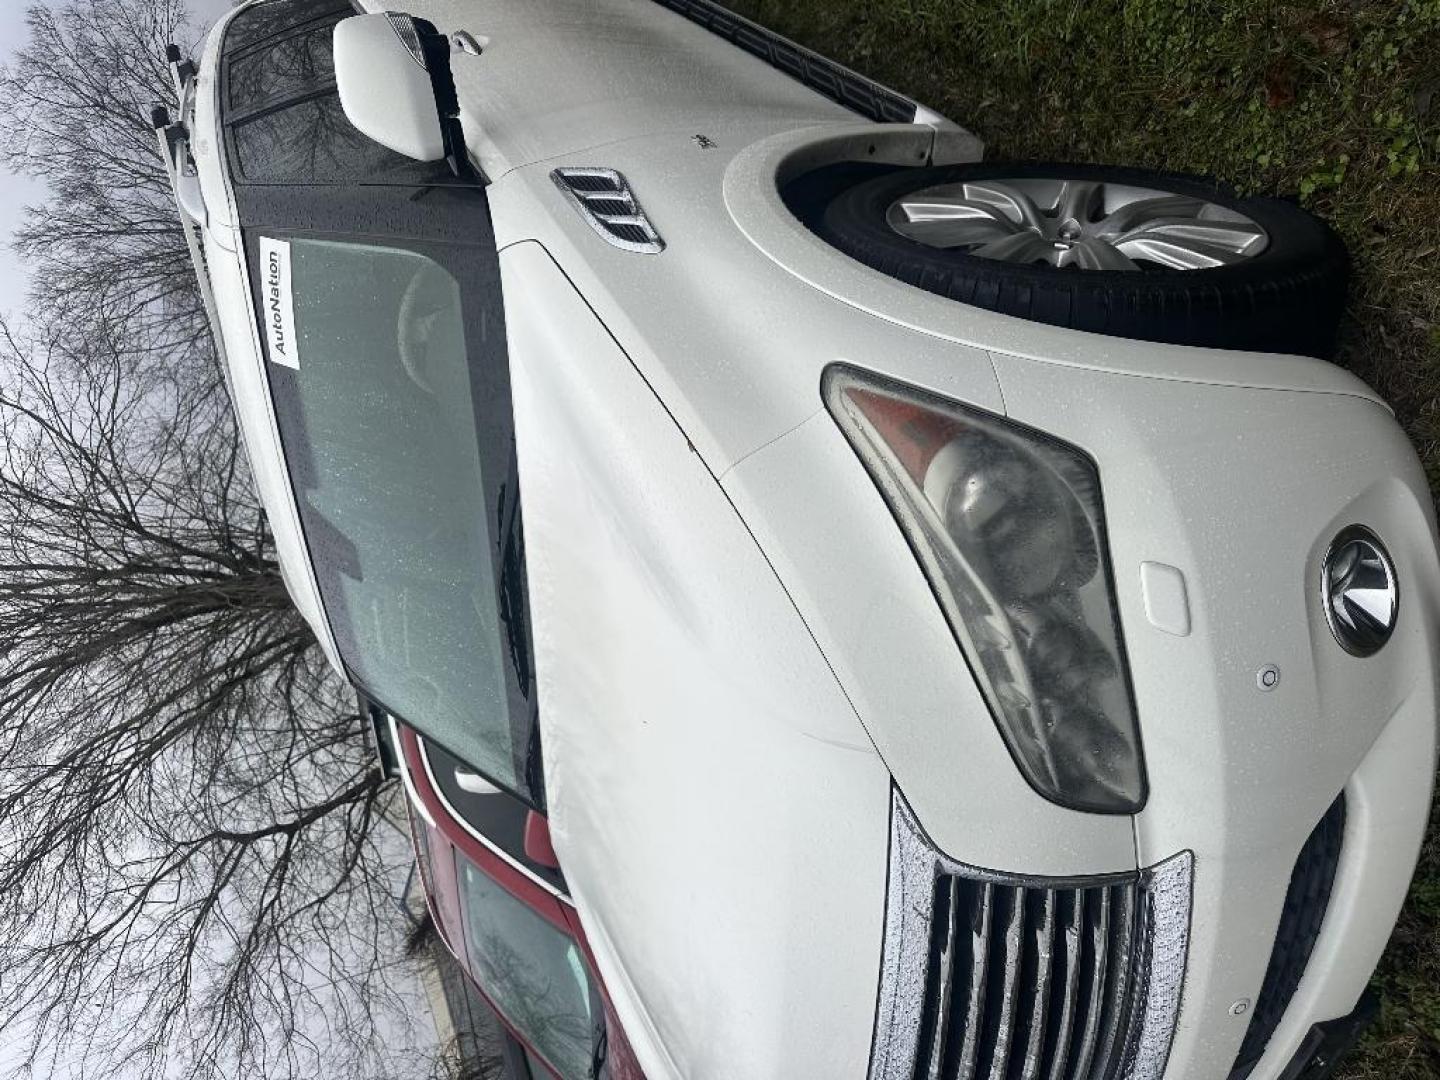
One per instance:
[(559, 76), (720, 814), (729, 773)]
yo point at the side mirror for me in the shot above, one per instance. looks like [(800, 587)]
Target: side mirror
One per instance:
[(393, 75), (538, 848)]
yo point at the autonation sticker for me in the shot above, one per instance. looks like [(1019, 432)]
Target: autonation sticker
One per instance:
[(279, 303)]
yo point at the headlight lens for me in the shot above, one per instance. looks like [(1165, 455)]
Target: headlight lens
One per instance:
[(1009, 528)]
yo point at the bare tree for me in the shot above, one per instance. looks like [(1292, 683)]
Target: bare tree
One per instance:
[(195, 875), (189, 815), (106, 248)]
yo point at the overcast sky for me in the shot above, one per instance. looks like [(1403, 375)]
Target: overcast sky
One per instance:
[(17, 192)]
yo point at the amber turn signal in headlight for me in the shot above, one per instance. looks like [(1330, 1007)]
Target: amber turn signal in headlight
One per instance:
[(1008, 525)]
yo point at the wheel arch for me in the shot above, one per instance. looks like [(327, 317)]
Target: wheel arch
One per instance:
[(752, 192)]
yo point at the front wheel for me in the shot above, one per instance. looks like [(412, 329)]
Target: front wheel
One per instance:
[(1126, 252)]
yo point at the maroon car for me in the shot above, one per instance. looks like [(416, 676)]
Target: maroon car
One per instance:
[(498, 897)]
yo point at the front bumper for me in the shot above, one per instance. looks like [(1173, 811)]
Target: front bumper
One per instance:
[(1327, 1043), (987, 973), (1240, 489), (1387, 802), (1237, 486)]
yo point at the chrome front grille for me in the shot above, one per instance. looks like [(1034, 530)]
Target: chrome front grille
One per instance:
[(1004, 959), (605, 200), (992, 977)]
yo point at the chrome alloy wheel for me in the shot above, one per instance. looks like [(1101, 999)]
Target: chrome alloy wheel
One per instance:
[(1080, 224)]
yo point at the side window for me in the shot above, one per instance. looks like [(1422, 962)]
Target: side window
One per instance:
[(312, 142), (283, 69), (282, 113), (495, 815), (263, 21), (521, 1063), (534, 973), (425, 866)]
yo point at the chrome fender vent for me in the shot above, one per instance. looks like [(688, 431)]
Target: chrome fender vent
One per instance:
[(605, 200), (990, 976)]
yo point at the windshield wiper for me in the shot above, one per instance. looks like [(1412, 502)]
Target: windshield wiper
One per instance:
[(512, 587), (601, 1050)]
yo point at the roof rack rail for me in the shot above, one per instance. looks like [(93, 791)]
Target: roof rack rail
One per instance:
[(172, 132)]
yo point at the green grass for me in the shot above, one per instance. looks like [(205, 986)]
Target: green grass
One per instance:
[(1336, 102)]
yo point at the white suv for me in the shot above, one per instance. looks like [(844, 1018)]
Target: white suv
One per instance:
[(959, 628)]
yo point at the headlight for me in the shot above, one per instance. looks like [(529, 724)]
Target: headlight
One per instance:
[(1009, 528)]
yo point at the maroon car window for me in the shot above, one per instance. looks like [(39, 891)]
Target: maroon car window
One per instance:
[(534, 973)]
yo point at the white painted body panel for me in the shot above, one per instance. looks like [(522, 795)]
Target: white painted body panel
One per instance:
[(1223, 464), (1243, 490), (720, 814), (735, 646), (385, 91), (1221, 482), (558, 76), (912, 687)]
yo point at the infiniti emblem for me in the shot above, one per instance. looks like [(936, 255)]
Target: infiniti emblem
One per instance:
[(1359, 591)]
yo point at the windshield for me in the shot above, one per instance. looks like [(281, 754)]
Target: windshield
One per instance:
[(398, 437), (534, 974)]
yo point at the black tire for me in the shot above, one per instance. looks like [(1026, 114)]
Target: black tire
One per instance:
[(1288, 298)]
